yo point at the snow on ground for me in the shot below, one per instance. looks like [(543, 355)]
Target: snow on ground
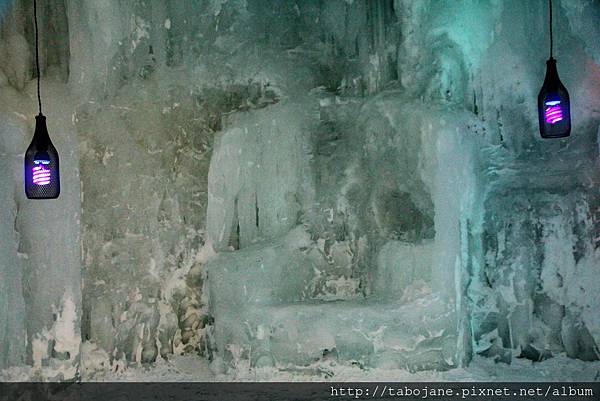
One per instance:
[(191, 368)]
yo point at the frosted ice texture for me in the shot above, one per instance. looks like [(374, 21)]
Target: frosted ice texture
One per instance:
[(404, 151), (386, 149), (260, 177), (12, 304), (41, 296), (445, 173)]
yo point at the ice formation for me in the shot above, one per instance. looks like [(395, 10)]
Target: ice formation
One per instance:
[(274, 184)]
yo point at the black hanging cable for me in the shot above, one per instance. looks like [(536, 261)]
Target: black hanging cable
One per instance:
[(37, 55), (554, 104), (41, 161), (551, 43)]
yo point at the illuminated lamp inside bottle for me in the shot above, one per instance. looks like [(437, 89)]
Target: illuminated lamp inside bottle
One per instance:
[(41, 172), (553, 112)]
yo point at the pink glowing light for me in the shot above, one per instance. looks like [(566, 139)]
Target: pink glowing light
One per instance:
[(553, 112), (41, 174)]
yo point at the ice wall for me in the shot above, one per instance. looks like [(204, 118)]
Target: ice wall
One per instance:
[(398, 166), (12, 303), (551, 191), (456, 65), (41, 258), (156, 86), (41, 266), (254, 190), (492, 63), (400, 135)]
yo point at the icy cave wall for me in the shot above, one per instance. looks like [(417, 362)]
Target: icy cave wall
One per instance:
[(141, 95), (531, 287), (510, 248), (169, 83), (147, 82), (41, 269)]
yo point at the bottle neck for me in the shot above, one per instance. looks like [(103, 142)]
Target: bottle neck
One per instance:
[(41, 136), (551, 79)]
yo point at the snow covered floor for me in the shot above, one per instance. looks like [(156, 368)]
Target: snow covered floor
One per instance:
[(191, 368)]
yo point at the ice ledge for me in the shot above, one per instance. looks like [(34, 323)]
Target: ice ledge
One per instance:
[(260, 298), (412, 336)]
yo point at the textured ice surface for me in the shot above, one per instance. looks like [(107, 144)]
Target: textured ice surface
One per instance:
[(191, 368), (549, 306), (371, 155), (259, 178), (12, 303), (417, 179), (400, 266), (535, 241), (263, 297), (265, 307), (41, 259)]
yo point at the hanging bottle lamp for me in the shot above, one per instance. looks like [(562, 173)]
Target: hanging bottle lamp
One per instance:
[(42, 179), (554, 107)]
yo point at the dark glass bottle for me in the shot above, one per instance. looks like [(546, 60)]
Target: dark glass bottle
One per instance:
[(554, 107), (42, 178)]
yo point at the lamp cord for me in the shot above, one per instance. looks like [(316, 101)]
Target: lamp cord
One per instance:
[(37, 55), (551, 43)]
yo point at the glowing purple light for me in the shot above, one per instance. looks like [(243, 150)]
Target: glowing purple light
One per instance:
[(553, 112), (41, 174)]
